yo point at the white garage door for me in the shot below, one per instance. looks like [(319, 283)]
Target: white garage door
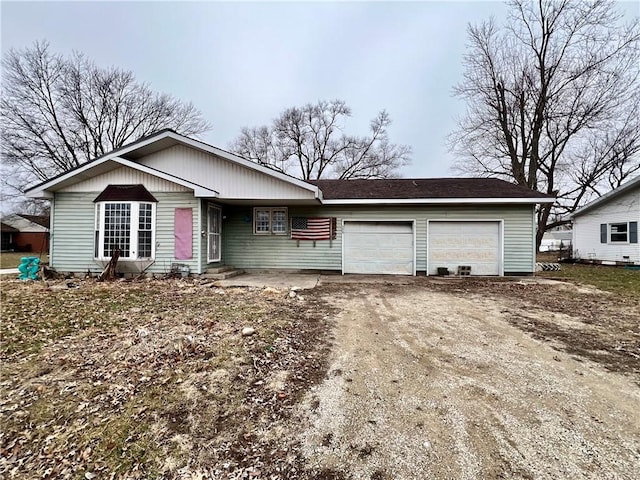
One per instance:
[(476, 244), (378, 248)]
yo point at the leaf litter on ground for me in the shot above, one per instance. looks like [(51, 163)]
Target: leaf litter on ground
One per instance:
[(154, 379)]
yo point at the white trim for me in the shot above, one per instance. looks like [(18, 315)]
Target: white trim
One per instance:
[(52, 216), (628, 232), (243, 161), (133, 232), (271, 232), (436, 201), (198, 190), (415, 248), (342, 248), (219, 233), (534, 225), (200, 231), (490, 220), (395, 220), (39, 191), (607, 196)]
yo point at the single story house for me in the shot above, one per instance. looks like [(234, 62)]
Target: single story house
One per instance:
[(32, 233), (606, 230), (168, 199)]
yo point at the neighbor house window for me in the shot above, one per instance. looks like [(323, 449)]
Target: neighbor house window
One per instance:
[(268, 221), (619, 232), (125, 220)]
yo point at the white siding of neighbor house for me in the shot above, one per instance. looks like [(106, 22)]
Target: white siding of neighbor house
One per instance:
[(242, 249), (586, 229), (229, 179), (72, 237), (125, 176)]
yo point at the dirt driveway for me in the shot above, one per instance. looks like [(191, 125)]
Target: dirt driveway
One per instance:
[(425, 383)]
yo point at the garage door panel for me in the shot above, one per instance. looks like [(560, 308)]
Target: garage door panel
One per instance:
[(477, 244), (386, 268), (381, 241), (378, 248), (373, 227)]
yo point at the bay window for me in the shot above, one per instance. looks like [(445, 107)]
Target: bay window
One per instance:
[(125, 220)]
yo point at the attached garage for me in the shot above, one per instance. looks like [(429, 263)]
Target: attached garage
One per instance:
[(378, 247), (477, 244)]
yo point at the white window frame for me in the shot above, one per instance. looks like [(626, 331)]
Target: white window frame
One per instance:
[(271, 211), (610, 233), (99, 229)]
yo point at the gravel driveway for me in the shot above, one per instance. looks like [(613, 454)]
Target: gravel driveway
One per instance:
[(424, 384)]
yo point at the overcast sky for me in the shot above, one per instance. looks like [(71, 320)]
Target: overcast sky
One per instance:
[(243, 63)]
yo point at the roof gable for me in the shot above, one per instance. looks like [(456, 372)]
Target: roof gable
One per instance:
[(7, 228), (27, 223), (131, 153), (623, 189), (233, 181), (42, 220), (92, 170)]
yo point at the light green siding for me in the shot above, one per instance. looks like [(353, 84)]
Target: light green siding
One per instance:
[(244, 250), (73, 232), (74, 218)]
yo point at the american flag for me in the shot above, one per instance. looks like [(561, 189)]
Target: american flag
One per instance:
[(311, 228)]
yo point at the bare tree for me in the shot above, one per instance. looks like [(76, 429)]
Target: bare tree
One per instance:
[(553, 101), (59, 112), (309, 143)]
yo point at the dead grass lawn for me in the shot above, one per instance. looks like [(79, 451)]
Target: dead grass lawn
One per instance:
[(152, 379)]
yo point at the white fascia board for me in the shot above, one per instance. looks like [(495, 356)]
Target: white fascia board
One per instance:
[(607, 196), (39, 193), (41, 190), (244, 162), (435, 201), (198, 190)]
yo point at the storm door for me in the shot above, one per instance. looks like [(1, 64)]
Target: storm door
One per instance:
[(214, 228)]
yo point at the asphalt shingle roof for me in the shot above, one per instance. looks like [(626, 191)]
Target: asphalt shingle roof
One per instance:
[(408, 188), (42, 220), (125, 193), (8, 228)]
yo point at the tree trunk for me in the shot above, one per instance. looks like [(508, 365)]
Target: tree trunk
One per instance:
[(109, 273)]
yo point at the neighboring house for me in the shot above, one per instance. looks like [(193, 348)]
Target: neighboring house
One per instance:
[(607, 228), (8, 236), (32, 233), (168, 199), (557, 239)]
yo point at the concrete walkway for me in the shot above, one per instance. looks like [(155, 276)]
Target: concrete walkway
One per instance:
[(305, 281)]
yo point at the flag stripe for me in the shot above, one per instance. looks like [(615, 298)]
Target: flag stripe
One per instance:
[(311, 228)]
